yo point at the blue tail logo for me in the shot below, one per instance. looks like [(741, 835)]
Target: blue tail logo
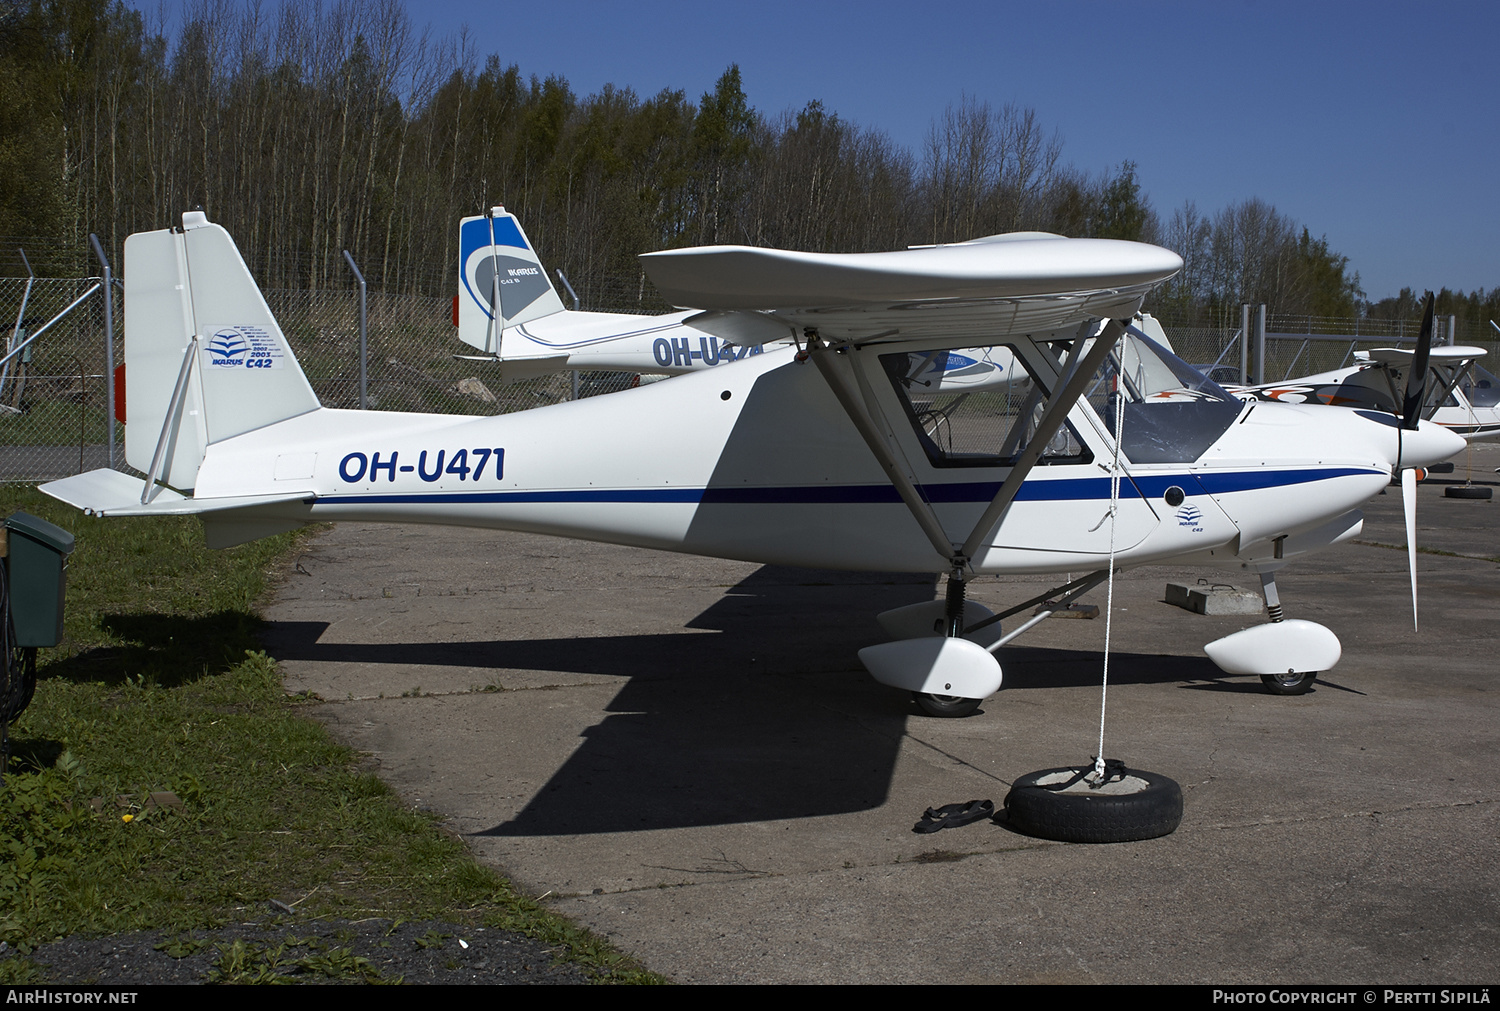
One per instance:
[(228, 347)]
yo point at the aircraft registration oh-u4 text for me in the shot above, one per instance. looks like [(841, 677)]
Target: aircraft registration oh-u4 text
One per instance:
[(463, 464)]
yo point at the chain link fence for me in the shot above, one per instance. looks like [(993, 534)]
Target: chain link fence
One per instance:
[(1299, 346), (53, 397), (1310, 345), (53, 413)]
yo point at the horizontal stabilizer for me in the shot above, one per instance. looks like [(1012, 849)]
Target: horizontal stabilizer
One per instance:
[(514, 370), (111, 493)]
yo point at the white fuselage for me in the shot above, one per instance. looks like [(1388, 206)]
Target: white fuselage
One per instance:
[(759, 462)]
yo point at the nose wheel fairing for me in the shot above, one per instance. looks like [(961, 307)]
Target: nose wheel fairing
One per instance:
[(1292, 646)]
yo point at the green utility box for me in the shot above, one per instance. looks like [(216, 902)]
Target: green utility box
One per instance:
[(37, 564)]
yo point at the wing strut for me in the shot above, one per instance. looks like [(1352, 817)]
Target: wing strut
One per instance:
[(856, 399), (1059, 404), (1447, 387), (835, 368)]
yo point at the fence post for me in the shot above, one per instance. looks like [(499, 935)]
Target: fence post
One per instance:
[(109, 350), (1245, 344), (16, 331), (1260, 344), (363, 337), (1452, 330), (573, 375)]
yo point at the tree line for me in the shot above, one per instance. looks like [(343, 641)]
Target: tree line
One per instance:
[(307, 130)]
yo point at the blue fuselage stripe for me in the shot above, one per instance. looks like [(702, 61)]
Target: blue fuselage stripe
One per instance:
[(976, 492)]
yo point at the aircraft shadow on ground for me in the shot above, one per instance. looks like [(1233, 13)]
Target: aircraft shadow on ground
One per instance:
[(164, 649), (768, 717)]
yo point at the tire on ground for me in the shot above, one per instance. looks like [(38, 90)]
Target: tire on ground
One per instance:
[(1082, 815), (1289, 683), (945, 706)]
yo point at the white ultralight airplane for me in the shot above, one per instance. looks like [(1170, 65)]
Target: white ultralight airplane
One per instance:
[(813, 455), (1462, 397)]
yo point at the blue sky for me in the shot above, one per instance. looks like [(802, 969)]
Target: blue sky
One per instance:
[(1375, 124)]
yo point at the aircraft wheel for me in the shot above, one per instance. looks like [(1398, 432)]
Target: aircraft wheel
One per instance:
[(1058, 804), (947, 706), (1296, 683)]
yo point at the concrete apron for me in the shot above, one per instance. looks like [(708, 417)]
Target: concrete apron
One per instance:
[(684, 754)]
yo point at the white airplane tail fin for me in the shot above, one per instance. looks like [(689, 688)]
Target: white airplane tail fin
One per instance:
[(204, 358), (1151, 327), (497, 264)]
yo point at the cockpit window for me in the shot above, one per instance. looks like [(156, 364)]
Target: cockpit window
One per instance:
[(1172, 412), (976, 407), (1481, 387)]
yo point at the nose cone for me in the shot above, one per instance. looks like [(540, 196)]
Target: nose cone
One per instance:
[(1430, 443), (1423, 446)]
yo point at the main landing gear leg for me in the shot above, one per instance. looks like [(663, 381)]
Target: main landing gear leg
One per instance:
[(953, 628), (954, 614)]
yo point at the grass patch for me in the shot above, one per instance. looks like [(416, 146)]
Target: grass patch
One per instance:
[(159, 686)]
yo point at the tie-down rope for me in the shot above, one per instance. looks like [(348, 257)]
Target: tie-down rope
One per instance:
[(1098, 776)]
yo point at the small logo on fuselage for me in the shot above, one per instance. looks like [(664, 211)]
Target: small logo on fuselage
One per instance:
[(1190, 516)]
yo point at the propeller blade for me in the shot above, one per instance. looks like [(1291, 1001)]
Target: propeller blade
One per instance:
[(1409, 504), (1416, 379)]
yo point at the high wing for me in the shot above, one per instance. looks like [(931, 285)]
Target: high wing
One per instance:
[(1008, 284), (531, 334)]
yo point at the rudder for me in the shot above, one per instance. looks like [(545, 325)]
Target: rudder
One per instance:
[(495, 246), (186, 283)]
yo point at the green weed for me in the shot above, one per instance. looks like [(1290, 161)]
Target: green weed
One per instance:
[(161, 685)]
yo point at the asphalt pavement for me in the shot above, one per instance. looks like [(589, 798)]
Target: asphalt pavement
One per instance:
[(685, 754)]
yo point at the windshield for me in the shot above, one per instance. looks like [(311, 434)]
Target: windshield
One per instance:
[(1173, 412), (1151, 372)]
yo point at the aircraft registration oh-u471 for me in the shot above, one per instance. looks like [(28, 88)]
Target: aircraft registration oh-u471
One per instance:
[(815, 454)]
